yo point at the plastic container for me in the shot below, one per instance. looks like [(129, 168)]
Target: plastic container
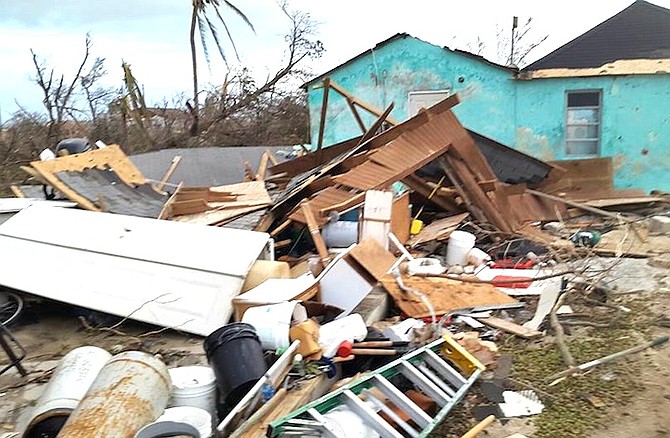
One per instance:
[(194, 386), (131, 390), (340, 234), (196, 417), (476, 257), (235, 354), (425, 266), (273, 322), (460, 243), (71, 379)]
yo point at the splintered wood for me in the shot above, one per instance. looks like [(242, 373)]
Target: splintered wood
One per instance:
[(444, 294), (224, 203)]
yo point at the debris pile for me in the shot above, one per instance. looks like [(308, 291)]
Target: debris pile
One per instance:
[(371, 288)]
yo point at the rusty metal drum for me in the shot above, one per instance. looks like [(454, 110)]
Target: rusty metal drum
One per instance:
[(131, 391)]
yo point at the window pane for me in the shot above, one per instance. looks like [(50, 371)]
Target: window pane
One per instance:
[(576, 116), (584, 99), (579, 132), (582, 147)]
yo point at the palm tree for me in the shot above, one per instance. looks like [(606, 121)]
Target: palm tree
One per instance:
[(202, 20)]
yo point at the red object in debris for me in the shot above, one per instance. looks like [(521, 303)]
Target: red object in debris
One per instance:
[(511, 282), (345, 348), (511, 264)]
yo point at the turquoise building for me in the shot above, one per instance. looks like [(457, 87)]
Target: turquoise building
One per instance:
[(604, 94)]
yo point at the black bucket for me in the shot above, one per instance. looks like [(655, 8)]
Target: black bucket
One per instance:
[(235, 354)]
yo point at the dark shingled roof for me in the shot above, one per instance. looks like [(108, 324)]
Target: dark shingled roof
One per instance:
[(641, 31), (106, 190), (206, 166)]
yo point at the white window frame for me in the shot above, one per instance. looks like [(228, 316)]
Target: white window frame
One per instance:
[(599, 108), (448, 92)]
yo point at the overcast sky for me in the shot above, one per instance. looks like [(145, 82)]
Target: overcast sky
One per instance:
[(152, 35)]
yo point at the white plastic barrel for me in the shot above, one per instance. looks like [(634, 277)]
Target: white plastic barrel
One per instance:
[(196, 417), (273, 322), (131, 391), (74, 374), (193, 386), (460, 243), (340, 234)]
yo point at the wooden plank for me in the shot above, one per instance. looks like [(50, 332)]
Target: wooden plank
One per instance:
[(401, 217), (369, 108), (263, 167), (440, 229), (112, 156), (173, 166), (383, 118), (357, 116), (324, 110), (17, 191), (191, 206), (250, 196), (299, 396), (424, 189), (344, 205), (313, 227), (373, 258), (271, 157), (510, 327), (444, 294)]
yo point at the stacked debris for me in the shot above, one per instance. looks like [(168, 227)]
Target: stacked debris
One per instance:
[(379, 286)]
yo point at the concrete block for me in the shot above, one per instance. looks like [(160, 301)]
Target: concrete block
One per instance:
[(659, 225)]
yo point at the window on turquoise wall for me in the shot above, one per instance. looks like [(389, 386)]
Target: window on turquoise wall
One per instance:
[(582, 123)]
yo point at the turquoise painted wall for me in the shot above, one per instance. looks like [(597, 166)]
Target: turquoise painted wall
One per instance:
[(635, 127), (409, 64), (526, 114)]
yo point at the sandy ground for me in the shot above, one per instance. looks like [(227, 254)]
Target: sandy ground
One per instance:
[(48, 330)]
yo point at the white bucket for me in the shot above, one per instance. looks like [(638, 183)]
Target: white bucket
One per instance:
[(272, 322), (340, 234), (194, 386), (460, 243), (196, 417)]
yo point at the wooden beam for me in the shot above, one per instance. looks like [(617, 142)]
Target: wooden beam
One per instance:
[(377, 124), (579, 205), (175, 162), (17, 192), (357, 116), (369, 108), (263, 167), (313, 227), (271, 157), (324, 110)]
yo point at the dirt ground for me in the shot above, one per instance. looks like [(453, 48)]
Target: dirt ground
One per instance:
[(48, 330)]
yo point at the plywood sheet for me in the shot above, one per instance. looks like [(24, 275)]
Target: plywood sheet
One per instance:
[(444, 294), (325, 199), (373, 258), (440, 229), (401, 218)]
